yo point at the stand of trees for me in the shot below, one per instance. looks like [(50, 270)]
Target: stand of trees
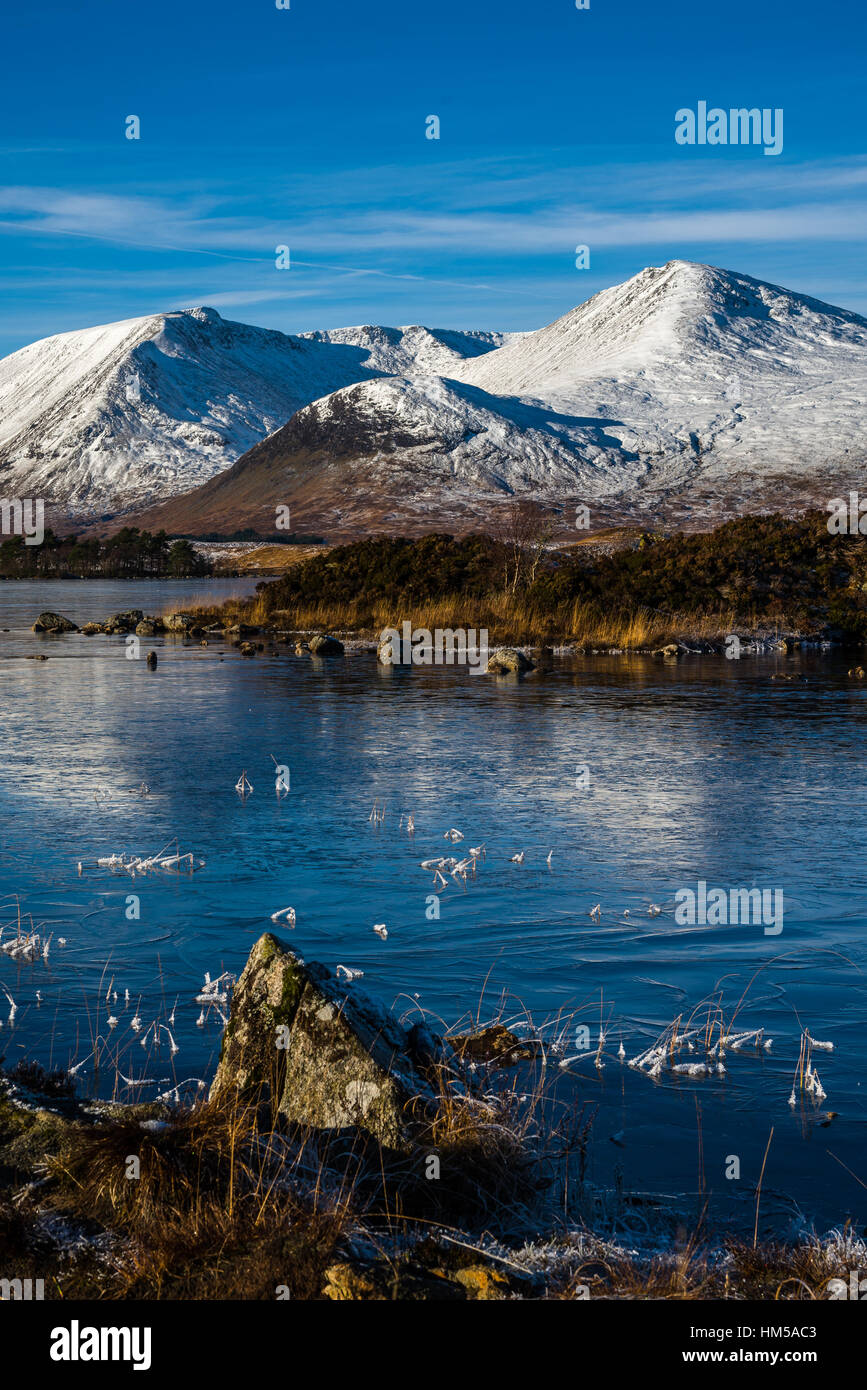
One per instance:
[(129, 554), (774, 568)]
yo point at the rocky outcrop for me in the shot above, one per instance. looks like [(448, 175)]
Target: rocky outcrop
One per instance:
[(54, 622), (509, 661), (329, 1056), (127, 621), (323, 645), (91, 629)]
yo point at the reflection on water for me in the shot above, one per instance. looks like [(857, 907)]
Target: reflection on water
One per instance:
[(704, 770)]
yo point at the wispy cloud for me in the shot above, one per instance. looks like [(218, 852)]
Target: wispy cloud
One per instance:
[(463, 242), (469, 210)]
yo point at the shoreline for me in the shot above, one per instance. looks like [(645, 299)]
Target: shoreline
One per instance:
[(511, 1214), (233, 621)]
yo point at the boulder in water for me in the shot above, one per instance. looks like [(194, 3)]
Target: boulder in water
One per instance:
[(509, 661), (127, 621), (54, 622), (323, 645)]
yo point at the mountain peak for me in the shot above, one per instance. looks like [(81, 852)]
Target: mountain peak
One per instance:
[(682, 312), (203, 312)]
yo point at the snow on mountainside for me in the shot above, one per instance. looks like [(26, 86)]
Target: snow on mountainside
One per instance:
[(111, 416), (408, 351), (122, 415), (701, 365), (686, 390)]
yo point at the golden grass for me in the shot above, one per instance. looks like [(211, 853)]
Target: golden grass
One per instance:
[(506, 617), (215, 1210), (770, 1272), (226, 1206)]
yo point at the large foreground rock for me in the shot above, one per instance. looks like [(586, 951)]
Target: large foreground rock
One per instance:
[(329, 1055), (54, 622)]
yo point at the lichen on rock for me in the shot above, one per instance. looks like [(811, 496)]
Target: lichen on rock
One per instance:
[(327, 1055)]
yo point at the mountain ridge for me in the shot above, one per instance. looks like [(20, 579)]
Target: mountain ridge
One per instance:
[(123, 414), (688, 390)]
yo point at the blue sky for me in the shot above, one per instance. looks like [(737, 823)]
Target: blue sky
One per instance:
[(306, 127)]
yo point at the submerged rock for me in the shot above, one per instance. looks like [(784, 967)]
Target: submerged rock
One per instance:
[(328, 1055), (323, 645), (54, 622), (509, 661), (497, 1044)]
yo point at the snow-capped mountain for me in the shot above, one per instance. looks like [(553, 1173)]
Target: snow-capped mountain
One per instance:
[(123, 415), (700, 372), (686, 391)]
